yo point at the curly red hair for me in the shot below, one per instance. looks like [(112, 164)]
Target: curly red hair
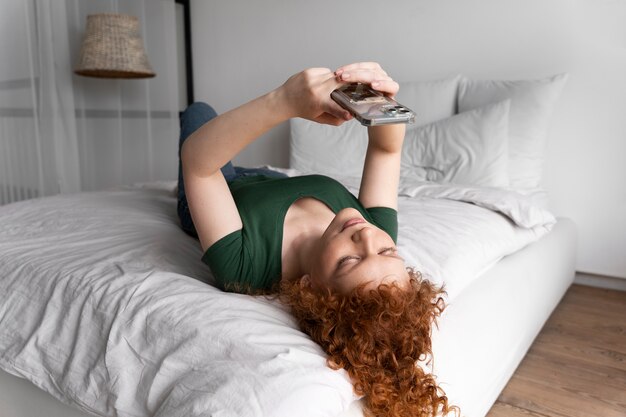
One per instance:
[(377, 336)]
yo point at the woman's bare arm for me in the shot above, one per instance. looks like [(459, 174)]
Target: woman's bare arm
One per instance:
[(381, 170), (214, 213), (212, 207)]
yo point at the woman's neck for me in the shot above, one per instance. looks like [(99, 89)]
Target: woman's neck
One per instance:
[(305, 222)]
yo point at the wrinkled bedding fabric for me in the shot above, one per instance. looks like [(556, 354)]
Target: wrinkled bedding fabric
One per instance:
[(105, 304)]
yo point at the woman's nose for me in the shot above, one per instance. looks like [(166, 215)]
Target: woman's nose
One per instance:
[(364, 235)]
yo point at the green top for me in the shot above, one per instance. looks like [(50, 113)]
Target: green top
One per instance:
[(251, 256)]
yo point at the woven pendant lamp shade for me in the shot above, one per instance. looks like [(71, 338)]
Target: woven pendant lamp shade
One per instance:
[(113, 48)]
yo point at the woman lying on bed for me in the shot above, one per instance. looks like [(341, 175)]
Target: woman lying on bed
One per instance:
[(332, 257)]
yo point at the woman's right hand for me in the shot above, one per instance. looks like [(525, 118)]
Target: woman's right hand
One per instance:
[(307, 95)]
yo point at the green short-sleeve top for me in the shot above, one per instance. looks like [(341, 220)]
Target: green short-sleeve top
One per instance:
[(251, 256)]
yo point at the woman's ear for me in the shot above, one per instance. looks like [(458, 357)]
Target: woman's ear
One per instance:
[(305, 280)]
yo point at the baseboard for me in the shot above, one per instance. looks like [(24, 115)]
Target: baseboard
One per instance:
[(600, 281)]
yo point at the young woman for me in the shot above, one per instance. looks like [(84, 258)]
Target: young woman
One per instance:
[(332, 257)]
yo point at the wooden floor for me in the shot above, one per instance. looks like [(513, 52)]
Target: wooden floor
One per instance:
[(577, 365)]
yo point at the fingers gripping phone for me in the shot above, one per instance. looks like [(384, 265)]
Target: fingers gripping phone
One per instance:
[(371, 107)]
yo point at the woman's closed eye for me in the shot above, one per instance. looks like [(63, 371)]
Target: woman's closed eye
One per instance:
[(346, 259), (350, 258), (389, 250)]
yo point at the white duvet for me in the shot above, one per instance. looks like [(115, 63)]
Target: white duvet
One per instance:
[(104, 302)]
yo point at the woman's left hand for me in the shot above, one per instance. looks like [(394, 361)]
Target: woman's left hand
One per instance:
[(368, 73)]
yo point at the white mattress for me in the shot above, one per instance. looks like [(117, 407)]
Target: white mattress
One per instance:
[(486, 331), (153, 267)]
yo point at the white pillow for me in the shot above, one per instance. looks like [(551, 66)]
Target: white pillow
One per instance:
[(430, 100), (332, 151), (327, 150), (469, 148), (532, 102)]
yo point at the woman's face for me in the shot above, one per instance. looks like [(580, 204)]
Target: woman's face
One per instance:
[(352, 251)]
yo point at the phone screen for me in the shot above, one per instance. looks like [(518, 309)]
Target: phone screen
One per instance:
[(361, 93)]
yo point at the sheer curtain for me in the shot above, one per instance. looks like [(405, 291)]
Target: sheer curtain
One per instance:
[(62, 133)]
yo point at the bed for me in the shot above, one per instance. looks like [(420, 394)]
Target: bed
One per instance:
[(107, 310)]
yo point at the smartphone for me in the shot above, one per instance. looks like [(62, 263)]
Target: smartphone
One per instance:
[(371, 107)]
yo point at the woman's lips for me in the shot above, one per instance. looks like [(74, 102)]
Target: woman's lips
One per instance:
[(352, 222)]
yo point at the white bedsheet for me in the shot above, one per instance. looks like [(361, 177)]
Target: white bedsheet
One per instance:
[(103, 304)]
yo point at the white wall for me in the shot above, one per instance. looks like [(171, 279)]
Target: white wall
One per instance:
[(115, 131), (242, 49)]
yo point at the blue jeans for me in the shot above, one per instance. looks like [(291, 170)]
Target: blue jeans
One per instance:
[(192, 118)]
